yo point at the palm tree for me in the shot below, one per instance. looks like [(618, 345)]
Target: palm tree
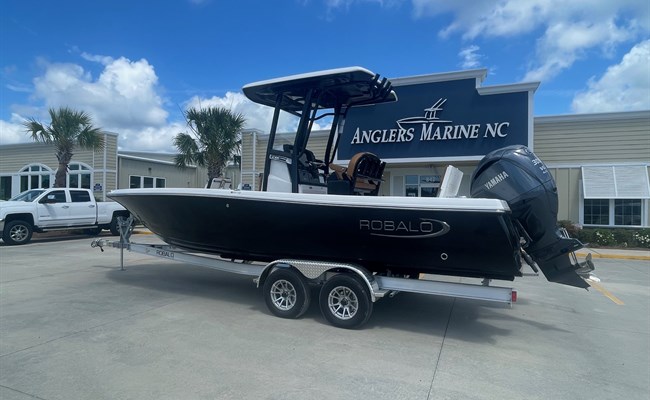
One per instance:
[(68, 128), (213, 141)]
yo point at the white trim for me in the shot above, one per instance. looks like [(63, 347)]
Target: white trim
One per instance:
[(478, 74), (308, 75), (531, 119), (630, 163), (509, 88), (410, 203), (151, 160), (609, 116)]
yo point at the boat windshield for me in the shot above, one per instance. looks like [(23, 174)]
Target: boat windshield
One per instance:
[(28, 196)]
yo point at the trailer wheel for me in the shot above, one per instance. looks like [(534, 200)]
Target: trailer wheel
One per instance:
[(345, 301), (286, 293), (17, 232)]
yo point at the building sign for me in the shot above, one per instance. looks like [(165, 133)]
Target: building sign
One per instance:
[(440, 120)]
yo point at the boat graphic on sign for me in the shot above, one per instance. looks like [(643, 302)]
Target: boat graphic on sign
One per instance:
[(429, 116)]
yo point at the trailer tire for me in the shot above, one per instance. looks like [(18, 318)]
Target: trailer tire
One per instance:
[(17, 232), (345, 301), (287, 293)]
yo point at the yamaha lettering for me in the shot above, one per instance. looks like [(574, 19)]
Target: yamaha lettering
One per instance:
[(437, 120), (496, 180)]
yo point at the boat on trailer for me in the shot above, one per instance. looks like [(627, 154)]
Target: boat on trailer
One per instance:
[(314, 211)]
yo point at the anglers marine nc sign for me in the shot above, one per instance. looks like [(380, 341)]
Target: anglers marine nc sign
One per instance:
[(440, 120)]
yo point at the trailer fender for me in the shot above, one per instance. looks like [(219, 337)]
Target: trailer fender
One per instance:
[(314, 269)]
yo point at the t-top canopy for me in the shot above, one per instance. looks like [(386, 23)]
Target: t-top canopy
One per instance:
[(350, 86)]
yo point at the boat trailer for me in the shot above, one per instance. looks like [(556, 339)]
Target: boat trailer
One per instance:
[(347, 291)]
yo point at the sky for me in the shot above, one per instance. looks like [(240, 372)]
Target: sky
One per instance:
[(135, 66)]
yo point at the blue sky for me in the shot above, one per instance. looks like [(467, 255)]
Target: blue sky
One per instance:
[(134, 66)]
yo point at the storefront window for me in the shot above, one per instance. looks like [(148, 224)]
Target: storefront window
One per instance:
[(34, 176), (596, 212), (421, 185), (137, 182), (79, 176), (627, 212), (5, 188), (412, 187)]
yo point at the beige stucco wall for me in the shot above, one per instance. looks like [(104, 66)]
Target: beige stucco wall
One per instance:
[(103, 162), (565, 143), (593, 138)]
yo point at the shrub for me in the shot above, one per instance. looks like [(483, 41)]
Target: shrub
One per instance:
[(613, 237)]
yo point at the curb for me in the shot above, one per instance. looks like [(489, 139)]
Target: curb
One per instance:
[(617, 256)]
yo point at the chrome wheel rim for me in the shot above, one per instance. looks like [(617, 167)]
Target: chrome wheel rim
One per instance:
[(18, 233), (343, 302), (283, 295)]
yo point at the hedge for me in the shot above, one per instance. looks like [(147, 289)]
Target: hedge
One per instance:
[(610, 237)]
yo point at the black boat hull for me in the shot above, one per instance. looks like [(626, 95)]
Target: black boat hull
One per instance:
[(408, 240)]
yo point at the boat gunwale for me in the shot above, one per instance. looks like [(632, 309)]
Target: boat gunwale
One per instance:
[(381, 202)]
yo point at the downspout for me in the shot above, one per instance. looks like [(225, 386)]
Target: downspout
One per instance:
[(105, 166), (254, 161)]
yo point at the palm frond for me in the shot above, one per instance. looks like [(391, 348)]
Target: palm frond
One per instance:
[(214, 139)]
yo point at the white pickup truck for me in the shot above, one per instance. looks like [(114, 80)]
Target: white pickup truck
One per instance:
[(41, 210)]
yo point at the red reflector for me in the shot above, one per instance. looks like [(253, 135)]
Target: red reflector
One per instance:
[(514, 296)]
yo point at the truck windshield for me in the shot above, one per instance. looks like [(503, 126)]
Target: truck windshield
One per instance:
[(29, 195)]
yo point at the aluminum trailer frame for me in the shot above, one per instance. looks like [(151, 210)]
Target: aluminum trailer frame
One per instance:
[(286, 282)]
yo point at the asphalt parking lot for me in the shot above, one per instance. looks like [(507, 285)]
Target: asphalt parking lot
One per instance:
[(74, 326)]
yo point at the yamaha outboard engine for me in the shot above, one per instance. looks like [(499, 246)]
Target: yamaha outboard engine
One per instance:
[(516, 175)]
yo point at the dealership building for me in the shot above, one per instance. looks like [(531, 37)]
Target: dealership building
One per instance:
[(600, 162)]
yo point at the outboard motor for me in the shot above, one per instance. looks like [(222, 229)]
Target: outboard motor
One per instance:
[(516, 175)]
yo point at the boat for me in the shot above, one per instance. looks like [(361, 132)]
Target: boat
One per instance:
[(311, 209)]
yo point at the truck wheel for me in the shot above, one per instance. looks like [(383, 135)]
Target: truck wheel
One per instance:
[(17, 232), (114, 226), (345, 301), (286, 293)]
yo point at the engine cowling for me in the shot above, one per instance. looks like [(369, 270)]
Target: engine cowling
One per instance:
[(515, 174)]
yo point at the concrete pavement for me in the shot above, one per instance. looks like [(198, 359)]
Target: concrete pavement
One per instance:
[(74, 326)]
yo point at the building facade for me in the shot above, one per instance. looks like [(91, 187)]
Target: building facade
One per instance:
[(600, 162), (33, 165)]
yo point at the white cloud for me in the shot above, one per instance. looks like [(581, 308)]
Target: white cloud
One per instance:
[(153, 139), (570, 28), (257, 116), (623, 87), (124, 99), (470, 57), (12, 131), (123, 96)]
